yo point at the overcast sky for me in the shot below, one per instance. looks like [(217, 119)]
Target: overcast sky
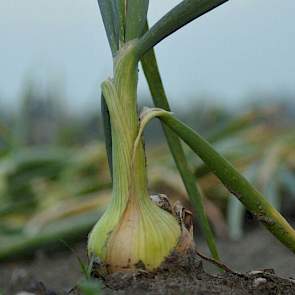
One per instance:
[(242, 47)]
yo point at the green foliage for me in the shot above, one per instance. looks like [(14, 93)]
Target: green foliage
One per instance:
[(68, 229), (130, 20), (136, 17), (47, 193), (90, 287), (179, 16), (152, 74), (83, 179), (176, 18), (234, 182), (19, 172), (124, 20), (269, 169), (109, 12), (20, 177)]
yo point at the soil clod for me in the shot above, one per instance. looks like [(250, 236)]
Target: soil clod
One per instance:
[(186, 275)]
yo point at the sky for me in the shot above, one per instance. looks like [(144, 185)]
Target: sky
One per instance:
[(240, 49)]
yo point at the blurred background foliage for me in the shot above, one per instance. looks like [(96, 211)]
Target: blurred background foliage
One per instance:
[(54, 178)]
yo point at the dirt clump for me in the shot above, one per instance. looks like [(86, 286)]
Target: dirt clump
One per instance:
[(186, 275), (59, 272)]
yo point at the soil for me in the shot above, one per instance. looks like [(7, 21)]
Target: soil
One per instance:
[(58, 272), (186, 275)]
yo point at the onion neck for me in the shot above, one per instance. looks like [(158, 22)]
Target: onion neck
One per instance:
[(129, 171)]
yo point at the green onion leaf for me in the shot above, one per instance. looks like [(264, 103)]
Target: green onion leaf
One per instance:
[(152, 74), (237, 184), (176, 18), (110, 19), (135, 18)]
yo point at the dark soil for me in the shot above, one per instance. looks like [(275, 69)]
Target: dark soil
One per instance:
[(60, 271), (186, 275)]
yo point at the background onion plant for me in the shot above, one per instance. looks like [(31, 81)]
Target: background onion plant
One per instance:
[(68, 203)]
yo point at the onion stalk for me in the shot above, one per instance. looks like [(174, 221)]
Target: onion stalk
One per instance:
[(133, 229)]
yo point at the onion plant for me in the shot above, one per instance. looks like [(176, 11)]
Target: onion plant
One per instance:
[(134, 228)]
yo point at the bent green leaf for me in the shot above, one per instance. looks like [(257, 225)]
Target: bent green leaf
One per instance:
[(176, 18), (234, 181), (152, 74)]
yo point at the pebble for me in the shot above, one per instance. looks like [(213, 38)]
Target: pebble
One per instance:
[(259, 281)]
